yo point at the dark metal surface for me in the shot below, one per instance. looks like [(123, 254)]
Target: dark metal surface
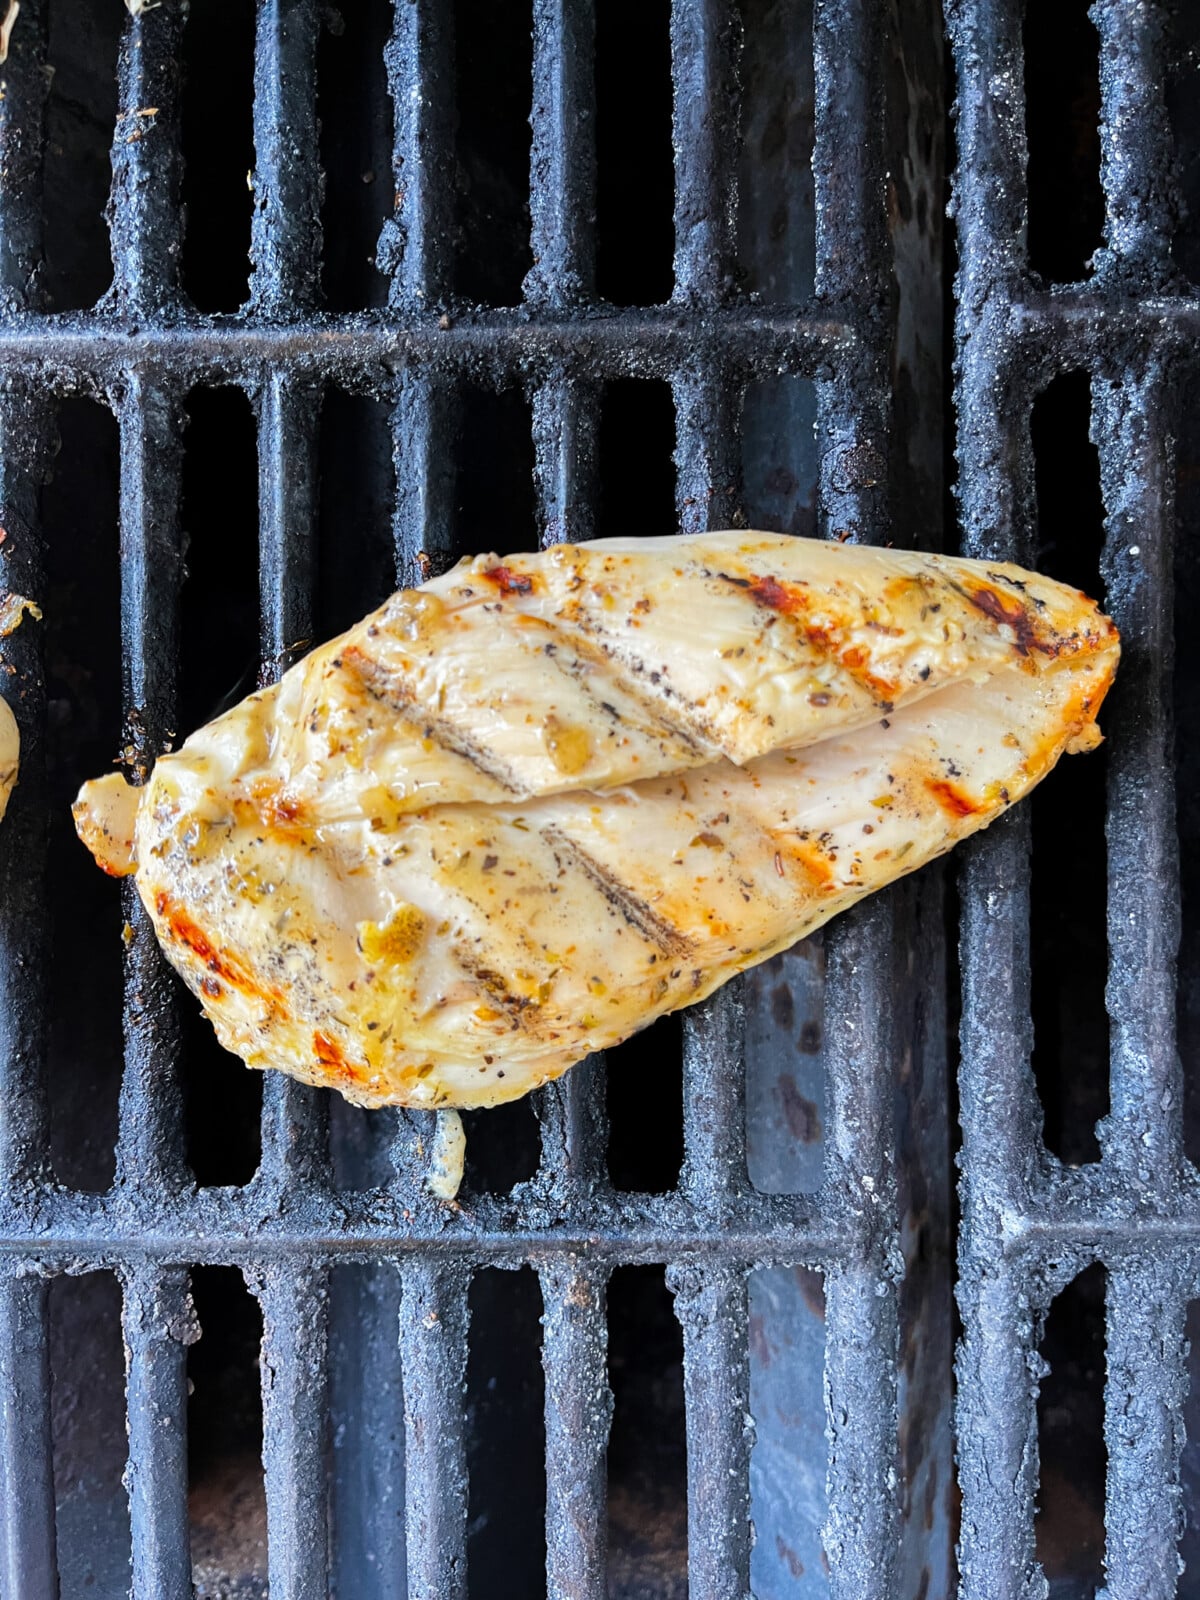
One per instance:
[(1030, 1224), (875, 82)]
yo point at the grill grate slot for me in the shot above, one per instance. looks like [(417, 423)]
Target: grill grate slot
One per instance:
[(355, 114), (218, 153), (505, 1407), (226, 1492)]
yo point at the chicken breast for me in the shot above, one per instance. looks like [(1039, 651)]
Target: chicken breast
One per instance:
[(517, 814)]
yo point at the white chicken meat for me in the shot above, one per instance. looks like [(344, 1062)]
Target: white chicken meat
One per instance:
[(517, 814)]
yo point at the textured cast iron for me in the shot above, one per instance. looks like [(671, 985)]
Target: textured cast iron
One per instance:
[(1030, 1223), (139, 352)]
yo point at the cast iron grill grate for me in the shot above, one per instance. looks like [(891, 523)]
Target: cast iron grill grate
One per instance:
[(1029, 1223)]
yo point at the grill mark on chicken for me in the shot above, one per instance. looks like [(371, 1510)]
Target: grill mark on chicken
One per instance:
[(392, 692), (685, 717), (1030, 630), (333, 1061), (951, 798), (521, 1009), (659, 726), (636, 911), (829, 642), (181, 928)]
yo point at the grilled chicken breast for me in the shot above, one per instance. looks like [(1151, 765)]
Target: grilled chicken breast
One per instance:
[(517, 814)]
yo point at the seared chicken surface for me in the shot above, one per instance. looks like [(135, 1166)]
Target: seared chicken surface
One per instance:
[(517, 814)]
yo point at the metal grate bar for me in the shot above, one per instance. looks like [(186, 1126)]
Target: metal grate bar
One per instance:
[(579, 1408), (714, 1173), (850, 218), (1135, 172), (562, 180), (646, 342), (1144, 1134), (433, 1356), (566, 418), (711, 1300), (144, 218), (295, 1309), (285, 238), (573, 1118), (285, 250), (992, 195), (295, 1117), (851, 267), (1080, 324), (150, 1152), (852, 422), (997, 1449), (422, 422), (217, 1225), (288, 422), (414, 247), (151, 564), (1144, 1395), (157, 1325), (1001, 1119), (712, 1308), (27, 1555), (25, 428), (861, 1337), (707, 456), (1001, 1116), (705, 41)]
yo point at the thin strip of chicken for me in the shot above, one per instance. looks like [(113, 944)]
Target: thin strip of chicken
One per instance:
[(517, 814), (10, 754)]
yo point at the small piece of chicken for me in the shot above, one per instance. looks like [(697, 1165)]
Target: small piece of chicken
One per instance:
[(10, 754), (517, 814)]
